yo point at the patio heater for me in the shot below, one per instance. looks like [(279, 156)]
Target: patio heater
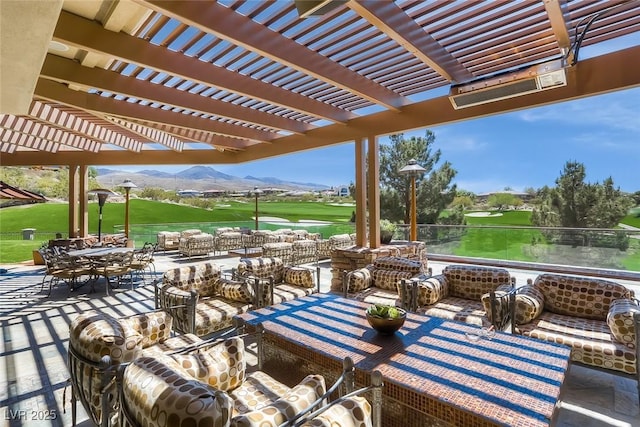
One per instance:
[(257, 192), (413, 170), (102, 194), (127, 185)]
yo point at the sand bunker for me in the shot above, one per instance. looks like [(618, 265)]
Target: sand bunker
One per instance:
[(483, 214), (281, 221)]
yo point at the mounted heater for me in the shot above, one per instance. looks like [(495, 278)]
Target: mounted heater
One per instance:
[(510, 84)]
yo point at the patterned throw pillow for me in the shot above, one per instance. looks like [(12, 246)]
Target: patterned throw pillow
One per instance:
[(620, 321), (223, 366), (154, 327), (353, 411), (299, 398), (502, 309), (358, 280), (157, 391), (431, 290), (299, 276), (529, 304), (236, 291)]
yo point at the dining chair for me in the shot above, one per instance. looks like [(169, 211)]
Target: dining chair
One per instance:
[(114, 267), (143, 261)]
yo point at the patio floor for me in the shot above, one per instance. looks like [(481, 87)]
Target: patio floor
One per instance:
[(33, 350)]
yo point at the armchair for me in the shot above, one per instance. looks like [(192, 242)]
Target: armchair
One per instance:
[(168, 240), (285, 283), (201, 301), (382, 282), (100, 343), (212, 385)]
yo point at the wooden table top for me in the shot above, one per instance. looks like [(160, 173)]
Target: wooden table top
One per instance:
[(510, 379)]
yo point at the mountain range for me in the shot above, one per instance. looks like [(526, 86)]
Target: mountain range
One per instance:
[(199, 178)]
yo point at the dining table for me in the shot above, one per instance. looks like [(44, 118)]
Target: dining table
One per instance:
[(108, 262)]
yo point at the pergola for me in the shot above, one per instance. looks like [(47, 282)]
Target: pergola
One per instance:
[(203, 82)]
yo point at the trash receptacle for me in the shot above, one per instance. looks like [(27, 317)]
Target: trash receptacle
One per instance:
[(27, 233)]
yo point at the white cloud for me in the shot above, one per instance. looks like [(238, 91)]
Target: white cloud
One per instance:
[(615, 111)]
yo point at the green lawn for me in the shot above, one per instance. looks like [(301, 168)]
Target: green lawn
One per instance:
[(50, 218)]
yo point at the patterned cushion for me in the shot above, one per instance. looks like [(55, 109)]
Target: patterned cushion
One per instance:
[(297, 399), (236, 291), (590, 340), (471, 282), (222, 366), (620, 321), (458, 309), (200, 277), (354, 411), (432, 290), (257, 390), (215, 314), (389, 279), (584, 297), (154, 327), (359, 279), (94, 335), (397, 264), (502, 304), (299, 276), (262, 268), (157, 391), (529, 304), (285, 292)]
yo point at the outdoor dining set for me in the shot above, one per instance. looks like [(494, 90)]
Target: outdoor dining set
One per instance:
[(77, 267)]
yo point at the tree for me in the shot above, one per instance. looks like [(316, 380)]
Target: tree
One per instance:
[(577, 204), (503, 200), (434, 191), (465, 202)]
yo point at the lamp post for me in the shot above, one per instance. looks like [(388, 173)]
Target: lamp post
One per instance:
[(413, 170), (102, 194), (127, 185), (257, 192)]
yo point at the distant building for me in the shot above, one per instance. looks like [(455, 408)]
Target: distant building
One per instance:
[(213, 193), (189, 193)]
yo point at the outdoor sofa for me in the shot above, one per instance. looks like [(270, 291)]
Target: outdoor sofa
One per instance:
[(197, 244), (599, 319)]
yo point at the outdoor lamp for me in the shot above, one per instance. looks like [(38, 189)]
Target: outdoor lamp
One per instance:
[(102, 193), (257, 192), (127, 185), (413, 170)]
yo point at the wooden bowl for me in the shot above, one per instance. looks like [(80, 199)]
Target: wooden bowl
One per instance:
[(385, 325)]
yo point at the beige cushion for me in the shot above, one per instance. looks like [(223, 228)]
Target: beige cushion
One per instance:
[(620, 321), (584, 297), (236, 291), (432, 290), (297, 399), (299, 276), (529, 304), (354, 411)]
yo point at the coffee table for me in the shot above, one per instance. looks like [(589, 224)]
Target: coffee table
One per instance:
[(246, 252), (433, 374)]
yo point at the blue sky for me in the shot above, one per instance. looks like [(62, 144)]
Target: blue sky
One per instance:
[(518, 150)]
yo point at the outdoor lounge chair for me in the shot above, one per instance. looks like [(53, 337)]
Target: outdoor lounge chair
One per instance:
[(212, 385), (100, 343)]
